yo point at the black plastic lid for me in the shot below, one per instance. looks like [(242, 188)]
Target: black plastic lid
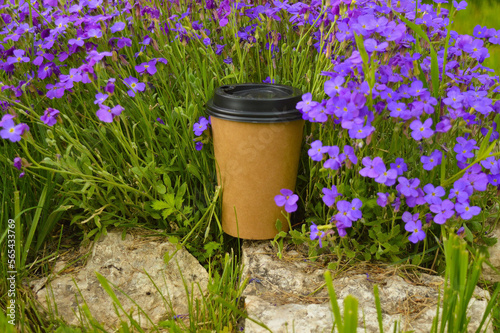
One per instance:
[(255, 103)]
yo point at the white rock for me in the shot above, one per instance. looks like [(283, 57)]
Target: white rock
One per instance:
[(288, 295), (125, 263)]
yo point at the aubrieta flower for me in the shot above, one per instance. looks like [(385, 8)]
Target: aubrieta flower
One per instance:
[(460, 5), (408, 187), (100, 98), (382, 199), (287, 199), (118, 26), (329, 196), (399, 165), (18, 57), (429, 162), (149, 67), (10, 130), (336, 158), (134, 85), (421, 130), (464, 149), (306, 104), (466, 211), (443, 211), (19, 164), (433, 194), (415, 228), (491, 164), (409, 217), (107, 114), (317, 150), (317, 234), (200, 126), (50, 116)]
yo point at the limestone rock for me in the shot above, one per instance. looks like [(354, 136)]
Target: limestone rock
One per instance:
[(125, 263), (288, 295)]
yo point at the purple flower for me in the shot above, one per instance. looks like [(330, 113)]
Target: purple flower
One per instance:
[(408, 187), (317, 150), (417, 234), (429, 162), (464, 149), (107, 114), (75, 75), (409, 217), (479, 181), (333, 86), (10, 130), (335, 161), (416, 88), (149, 67), (228, 60), (421, 130), (460, 6), (368, 170), (198, 145), (18, 57), (382, 199), (134, 86), (268, 80), (356, 213), (110, 86), (100, 98), (386, 177), (461, 191), (330, 195), (287, 199), (443, 126), (371, 45), (400, 166), (461, 231), (349, 153), (491, 164), (306, 104), (316, 234), (55, 90), (344, 214), (118, 26), (50, 116), (466, 211), (200, 126), (18, 163), (97, 33), (443, 211), (434, 194)]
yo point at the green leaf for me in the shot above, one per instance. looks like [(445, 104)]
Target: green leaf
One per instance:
[(350, 314), (361, 48), (485, 142), (468, 234), (160, 188), (159, 205), (167, 212)]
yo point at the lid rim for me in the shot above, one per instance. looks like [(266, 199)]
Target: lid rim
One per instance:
[(238, 107)]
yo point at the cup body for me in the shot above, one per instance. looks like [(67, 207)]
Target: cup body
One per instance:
[(257, 134), (254, 162)]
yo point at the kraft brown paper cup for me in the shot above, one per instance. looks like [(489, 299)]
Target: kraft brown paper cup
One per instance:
[(254, 162)]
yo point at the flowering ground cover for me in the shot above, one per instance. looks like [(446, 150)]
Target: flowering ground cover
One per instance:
[(103, 121)]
